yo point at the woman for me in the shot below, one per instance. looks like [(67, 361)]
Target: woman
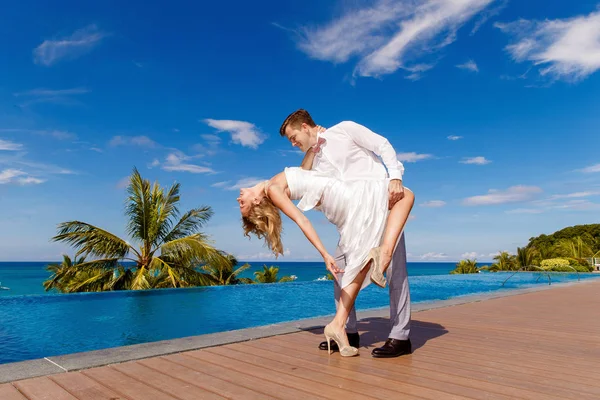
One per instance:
[(359, 209)]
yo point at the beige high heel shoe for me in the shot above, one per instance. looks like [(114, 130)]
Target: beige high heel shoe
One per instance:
[(345, 349), (377, 270)]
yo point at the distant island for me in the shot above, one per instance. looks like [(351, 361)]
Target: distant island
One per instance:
[(572, 249)]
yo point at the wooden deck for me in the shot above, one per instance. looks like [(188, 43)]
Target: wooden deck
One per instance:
[(541, 345)]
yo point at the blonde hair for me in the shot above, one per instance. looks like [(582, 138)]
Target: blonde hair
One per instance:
[(264, 220)]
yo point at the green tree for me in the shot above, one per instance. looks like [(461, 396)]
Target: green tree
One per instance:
[(526, 257), (169, 247), (466, 267), (504, 262), (590, 234), (575, 247), (226, 273), (269, 275)]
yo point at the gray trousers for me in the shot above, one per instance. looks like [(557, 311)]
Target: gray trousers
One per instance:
[(397, 279)]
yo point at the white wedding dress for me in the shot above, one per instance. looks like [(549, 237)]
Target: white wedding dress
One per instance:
[(358, 209)]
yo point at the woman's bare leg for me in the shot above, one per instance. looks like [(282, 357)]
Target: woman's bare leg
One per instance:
[(395, 225), (347, 299)]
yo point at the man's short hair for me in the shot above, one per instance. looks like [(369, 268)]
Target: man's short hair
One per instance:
[(297, 118)]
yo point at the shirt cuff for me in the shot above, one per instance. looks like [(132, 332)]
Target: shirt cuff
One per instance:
[(395, 174)]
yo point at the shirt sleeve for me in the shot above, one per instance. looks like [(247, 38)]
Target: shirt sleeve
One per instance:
[(379, 145)]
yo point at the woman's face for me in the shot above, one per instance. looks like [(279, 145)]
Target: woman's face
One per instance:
[(246, 200)]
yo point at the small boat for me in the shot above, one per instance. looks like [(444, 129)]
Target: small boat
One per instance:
[(3, 287)]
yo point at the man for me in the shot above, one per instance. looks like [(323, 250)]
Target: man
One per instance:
[(349, 151)]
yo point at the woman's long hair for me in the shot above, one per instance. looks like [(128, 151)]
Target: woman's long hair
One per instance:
[(264, 220)]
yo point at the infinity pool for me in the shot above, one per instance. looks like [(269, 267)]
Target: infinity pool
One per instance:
[(48, 325)]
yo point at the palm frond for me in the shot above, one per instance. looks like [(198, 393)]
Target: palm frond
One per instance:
[(92, 280), (139, 207), (166, 212), (190, 223), (140, 279), (91, 240), (192, 250)]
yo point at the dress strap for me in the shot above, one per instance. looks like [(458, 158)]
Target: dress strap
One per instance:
[(267, 182)]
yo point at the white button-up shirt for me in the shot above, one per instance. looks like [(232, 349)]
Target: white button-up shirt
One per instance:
[(350, 153)]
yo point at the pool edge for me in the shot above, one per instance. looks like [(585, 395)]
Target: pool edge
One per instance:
[(78, 361)]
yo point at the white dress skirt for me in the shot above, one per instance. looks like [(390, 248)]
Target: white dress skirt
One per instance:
[(359, 210)]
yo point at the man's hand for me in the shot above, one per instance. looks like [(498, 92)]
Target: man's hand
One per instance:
[(396, 192)]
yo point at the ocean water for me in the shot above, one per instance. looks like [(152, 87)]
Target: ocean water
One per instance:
[(25, 278), (36, 326)]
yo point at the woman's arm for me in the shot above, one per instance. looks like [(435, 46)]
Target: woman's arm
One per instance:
[(278, 196), (307, 162)]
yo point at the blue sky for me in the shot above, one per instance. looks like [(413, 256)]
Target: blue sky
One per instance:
[(492, 105)]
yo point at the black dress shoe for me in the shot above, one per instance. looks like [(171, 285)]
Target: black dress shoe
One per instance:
[(353, 339), (392, 348)]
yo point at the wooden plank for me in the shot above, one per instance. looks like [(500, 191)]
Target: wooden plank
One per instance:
[(223, 382), (179, 388), (282, 378), (355, 386), (406, 391), (83, 387), (125, 385), (42, 389), (441, 380), (9, 392)]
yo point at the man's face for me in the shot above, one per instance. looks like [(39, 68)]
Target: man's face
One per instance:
[(298, 137)]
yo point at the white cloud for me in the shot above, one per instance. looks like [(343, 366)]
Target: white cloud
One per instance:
[(389, 35), (413, 157), (19, 177), (577, 205), (434, 256), (433, 203), (61, 135), (525, 211), (154, 163), (9, 146), (475, 160), (454, 137), (574, 195), (242, 132), (70, 47), (470, 255), (212, 138), (591, 169), (220, 184), (42, 92), (141, 141), (245, 183), (261, 256), (54, 96), (175, 162), (123, 182), (487, 14), (511, 195), (30, 180), (469, 65), (567, 49)]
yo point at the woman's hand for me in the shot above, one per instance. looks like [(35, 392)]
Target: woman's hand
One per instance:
[(331, 266)]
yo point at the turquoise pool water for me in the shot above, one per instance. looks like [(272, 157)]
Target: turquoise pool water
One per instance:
[(38, 326)]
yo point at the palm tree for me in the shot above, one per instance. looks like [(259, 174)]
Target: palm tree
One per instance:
[(226, 274), (504, 262), (269, 275), (466, 267), (525, 257), (169, 252), (575, 248)]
